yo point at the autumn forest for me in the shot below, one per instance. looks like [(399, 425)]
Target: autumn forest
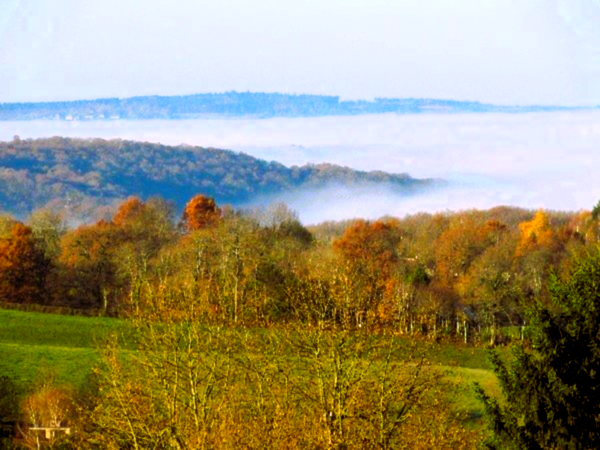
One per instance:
[(423, 272), (243, 328), (323, 225)]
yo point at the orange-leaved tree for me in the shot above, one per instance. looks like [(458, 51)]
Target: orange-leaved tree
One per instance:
[(200, 212), (88, 267), (370, 247), (458, 246), (23, 267), (129, 212), (369, 252)]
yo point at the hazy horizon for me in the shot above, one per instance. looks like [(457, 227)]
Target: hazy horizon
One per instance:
[(537, 160), (538, 52), (331, 94), (501, 52)]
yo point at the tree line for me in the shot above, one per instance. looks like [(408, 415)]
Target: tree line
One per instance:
[(468, 272), (248, 329), (239, 104)]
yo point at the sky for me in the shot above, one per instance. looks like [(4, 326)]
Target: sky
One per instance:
[(517, 52)]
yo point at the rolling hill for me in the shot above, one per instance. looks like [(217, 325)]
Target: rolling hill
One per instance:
[(84, 173), (243, 104)]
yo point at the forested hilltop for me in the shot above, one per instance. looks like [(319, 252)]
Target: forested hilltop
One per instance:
[(242, 104), (93, 172)]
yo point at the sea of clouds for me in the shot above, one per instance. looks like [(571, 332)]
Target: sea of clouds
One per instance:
[(541, 160)]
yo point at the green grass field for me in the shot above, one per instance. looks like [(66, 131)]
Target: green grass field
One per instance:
[(34, 346)]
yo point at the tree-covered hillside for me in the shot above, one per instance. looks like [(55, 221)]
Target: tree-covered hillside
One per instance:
[(242, 104), (94, 172)]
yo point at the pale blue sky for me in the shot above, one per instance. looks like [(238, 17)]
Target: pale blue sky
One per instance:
[(499, 51)]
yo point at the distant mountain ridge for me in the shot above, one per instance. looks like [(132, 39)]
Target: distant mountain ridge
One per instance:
[(244, 104), (79, 173)]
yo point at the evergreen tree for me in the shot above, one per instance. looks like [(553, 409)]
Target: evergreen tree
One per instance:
[(596, 211), (552, 392)]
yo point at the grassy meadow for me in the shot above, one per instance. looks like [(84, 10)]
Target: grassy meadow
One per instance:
[(37, 346), (34, 345)]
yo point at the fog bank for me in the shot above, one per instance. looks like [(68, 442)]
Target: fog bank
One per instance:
[(542, 160)]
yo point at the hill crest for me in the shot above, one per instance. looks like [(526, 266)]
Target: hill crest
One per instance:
[(92, 172), (244, 104)]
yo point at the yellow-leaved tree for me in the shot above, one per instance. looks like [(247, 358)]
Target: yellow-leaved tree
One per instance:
[(535, 233)]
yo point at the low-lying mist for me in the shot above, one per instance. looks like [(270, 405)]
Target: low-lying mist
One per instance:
[(372, 202), (541, 160)]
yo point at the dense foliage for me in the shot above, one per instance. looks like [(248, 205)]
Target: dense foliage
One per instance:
[(268, 387), (552, 392), (247, 329), (23, 265), (82, 174), (472, 271)]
